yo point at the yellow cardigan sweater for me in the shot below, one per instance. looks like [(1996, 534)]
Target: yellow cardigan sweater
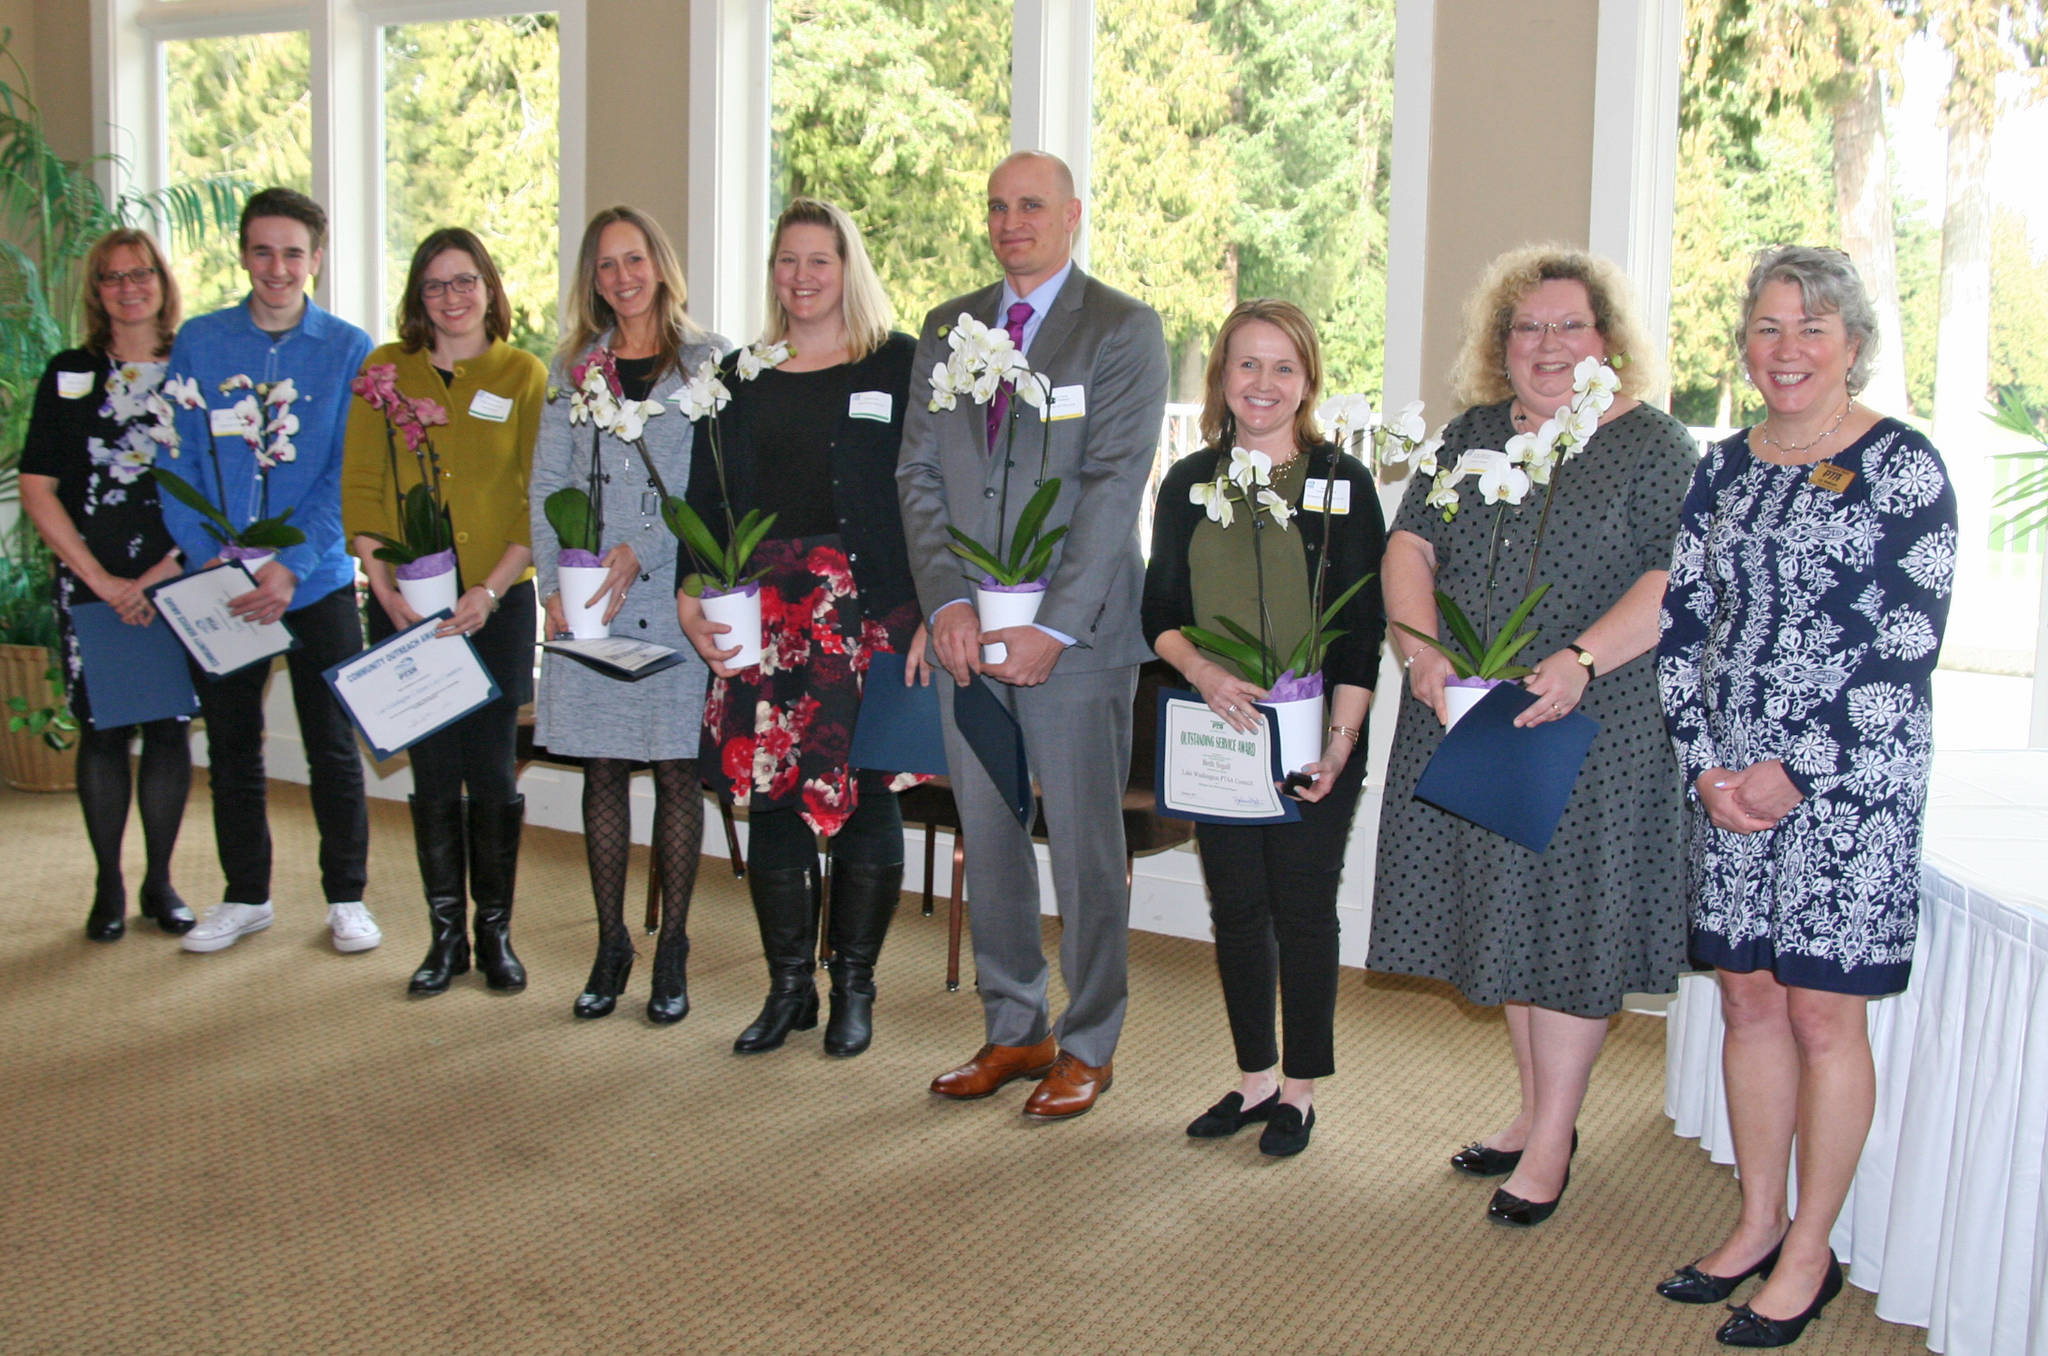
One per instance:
[(484, 461)]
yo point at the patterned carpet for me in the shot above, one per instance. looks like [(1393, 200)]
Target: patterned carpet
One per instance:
[(272, 1149)]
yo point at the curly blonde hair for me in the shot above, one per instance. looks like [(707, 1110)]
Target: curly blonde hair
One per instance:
[(1480, 375)]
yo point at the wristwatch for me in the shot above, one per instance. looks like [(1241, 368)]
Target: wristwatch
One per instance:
[(1585, 661)]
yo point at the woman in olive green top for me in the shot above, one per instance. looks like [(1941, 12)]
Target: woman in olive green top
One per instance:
[(453, 322)]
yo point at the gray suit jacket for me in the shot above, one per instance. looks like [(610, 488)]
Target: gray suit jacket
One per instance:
[(1113, 347)]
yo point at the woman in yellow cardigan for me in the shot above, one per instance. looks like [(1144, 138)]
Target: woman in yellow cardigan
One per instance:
[(451, 351)]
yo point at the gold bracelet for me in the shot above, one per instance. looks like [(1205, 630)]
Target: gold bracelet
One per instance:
[(1347, 731)]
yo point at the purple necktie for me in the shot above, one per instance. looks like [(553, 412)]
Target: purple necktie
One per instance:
[(1020, 315)]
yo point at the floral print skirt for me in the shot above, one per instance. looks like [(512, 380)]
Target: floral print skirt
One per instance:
[(780, 733)]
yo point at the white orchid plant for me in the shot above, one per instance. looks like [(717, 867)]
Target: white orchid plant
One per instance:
[(1504, 479), (263, 419), (981, 362), (721, 566), (1247, 479)]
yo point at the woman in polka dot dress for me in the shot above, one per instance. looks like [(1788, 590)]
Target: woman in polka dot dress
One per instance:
[(1556, 937)]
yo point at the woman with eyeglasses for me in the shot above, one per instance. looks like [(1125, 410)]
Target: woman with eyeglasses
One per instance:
[(453, 323), (86, 486), (1555, 938)]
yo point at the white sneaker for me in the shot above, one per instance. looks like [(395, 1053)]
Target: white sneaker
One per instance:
[(221, 926), (352, 926)]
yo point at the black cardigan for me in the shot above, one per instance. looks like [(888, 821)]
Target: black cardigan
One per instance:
[(863, 456), (1356, 541)]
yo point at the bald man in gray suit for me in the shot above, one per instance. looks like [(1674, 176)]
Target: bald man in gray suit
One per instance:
[(1069, 677)]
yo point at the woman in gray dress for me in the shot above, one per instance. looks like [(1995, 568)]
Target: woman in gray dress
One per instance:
[(628, 303), (1555, 937)]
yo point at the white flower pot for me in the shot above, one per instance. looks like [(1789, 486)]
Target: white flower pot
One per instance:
[(576, 583), (741, 611), (1461, 695), (435, 593), (1301, 732), (998, 608)]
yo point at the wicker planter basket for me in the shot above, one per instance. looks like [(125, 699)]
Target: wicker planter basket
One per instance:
[(26, 761)]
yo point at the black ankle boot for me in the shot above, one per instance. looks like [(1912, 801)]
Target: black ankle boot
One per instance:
[(161, 904), (493, 870), (437, 841), (670, 1000), (786, 908), (863, 901), (108, 920), (607, 977)]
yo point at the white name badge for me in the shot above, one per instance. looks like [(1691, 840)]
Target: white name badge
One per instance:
[(875, 405), (1067, 402), (225, 423), (1326, 496), (496, 408), (72, 385)]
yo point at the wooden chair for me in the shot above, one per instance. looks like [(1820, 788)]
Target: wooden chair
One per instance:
[(1145, 830)]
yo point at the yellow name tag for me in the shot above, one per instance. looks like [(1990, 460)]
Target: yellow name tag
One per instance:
[(1832, 478)]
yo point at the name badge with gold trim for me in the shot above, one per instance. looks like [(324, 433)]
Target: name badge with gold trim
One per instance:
[(1832, 478)]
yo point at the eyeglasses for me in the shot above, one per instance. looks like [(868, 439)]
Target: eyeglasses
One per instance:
[(462, 284), (1532, 331), (138, 276)]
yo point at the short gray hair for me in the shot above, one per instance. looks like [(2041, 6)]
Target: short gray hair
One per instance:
[(1828, 285)]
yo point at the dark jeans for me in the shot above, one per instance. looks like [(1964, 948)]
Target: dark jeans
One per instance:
[(1273, 901), (871, 836), (479, 751), (328, 632)]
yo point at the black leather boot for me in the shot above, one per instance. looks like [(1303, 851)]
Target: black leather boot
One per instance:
[(786, 907), (863, 901), (437, 839), (493, 870)]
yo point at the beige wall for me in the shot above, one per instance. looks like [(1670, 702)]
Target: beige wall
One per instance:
[(52, 42), (1511, 140), (638, 136)]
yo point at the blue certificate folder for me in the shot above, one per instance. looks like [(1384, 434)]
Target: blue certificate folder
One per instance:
[(1514, 782), (132, 673), (998, 744), (898, 727)]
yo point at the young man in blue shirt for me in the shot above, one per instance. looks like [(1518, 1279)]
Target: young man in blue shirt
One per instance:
[(275, 334)]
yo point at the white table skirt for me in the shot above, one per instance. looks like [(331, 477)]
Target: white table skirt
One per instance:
[(1947, 1221)]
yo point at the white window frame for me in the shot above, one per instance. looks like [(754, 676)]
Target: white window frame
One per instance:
[(346, 39)]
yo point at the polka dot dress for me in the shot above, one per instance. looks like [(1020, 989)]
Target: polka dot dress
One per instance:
[(1601, 912)]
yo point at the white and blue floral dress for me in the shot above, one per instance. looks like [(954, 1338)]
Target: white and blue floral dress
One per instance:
[(1803, 624)]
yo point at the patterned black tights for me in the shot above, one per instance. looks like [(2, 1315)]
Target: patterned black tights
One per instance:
[(607, 835)]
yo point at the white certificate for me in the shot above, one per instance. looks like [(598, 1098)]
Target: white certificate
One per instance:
[(1209, 771), (410, 686), (196, 606)]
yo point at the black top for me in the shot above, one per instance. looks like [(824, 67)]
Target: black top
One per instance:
[(861, 454), (1355, 540), (796, 415), (636, 376), (89, 435)]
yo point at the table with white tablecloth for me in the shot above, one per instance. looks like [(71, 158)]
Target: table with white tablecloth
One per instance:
[(1947, 1221)]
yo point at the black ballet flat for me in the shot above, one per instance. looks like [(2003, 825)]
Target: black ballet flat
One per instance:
[(1511, 1210), (1690, 1285), (1231, 1115), (108, 920), (1748, 1328), (1476, 1160), (166, 910)]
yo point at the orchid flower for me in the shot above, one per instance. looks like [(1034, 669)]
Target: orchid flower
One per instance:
[(754, 359), (1214, 497), (1249, 468)]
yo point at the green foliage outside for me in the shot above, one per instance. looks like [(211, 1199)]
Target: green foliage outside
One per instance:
[(1240, 150)]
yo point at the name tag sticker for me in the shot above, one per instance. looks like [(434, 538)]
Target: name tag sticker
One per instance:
[(875, 405), (72, 385), (1067, 402), (1832, 478), (486, 405), (225, 423), (1326, 496)]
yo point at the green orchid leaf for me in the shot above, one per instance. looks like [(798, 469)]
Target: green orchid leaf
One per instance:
[(1460, 664), (1031, 519), (568, 512), (1461, 629), (181, 490)]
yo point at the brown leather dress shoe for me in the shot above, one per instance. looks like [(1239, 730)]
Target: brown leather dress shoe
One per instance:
[(993, 1066), (1068, 1090)]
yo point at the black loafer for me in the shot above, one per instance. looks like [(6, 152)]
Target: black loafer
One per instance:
[(1230, 1115), (1286, 1133), (1511, 1210), (1690, 1285), (106, 924), (1476, 1160), (1748, 1328), (167, 910)]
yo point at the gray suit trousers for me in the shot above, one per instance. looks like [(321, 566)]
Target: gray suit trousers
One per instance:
[(1077, 734)]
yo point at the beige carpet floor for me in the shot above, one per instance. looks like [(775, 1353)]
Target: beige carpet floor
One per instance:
[(272, 1149)]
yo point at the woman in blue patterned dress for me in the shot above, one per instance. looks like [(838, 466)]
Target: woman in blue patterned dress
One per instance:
[(1809, 588)]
